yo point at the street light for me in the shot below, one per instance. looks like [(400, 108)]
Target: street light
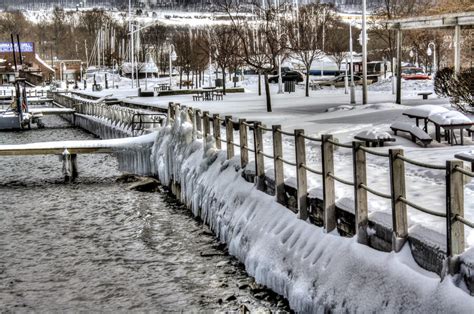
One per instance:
[(146, 69), (429, 52), (352, 89), (62, 69), (114, 62), (173, 57), (364, 53)]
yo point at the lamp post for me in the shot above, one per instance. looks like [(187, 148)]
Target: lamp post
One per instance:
[(146, 69), (172, 57), (62, 69), (429, 51), (82, 70), (352, 89), (364, 53), (114, 62)]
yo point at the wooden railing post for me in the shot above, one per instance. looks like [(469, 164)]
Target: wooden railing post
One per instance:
[(207, 123), (329, 194), (360, 194), (217, 130), (278, 165), (177, 113), (259, 160), (229, 133), (244, 153), (301, 180), (454, 206), (171, 111), (399, 209), (197, 114)]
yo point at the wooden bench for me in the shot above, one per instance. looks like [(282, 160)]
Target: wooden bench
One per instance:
[(425, 94), (415, 132)]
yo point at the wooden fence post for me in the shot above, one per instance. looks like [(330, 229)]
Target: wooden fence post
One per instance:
[(301, 180), (278, 165), (399, 209), (244, 153), (329, 194), (229, 133), (177, 113), (259, 160), (171, 112), (360, 194), (454, 206), (206, 127), (197, 114), (217, 130)]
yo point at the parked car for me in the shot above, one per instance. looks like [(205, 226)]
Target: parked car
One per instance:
[(414, 73), (339, 81), (288, 76)]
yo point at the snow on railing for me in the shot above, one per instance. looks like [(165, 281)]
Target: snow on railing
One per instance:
[(130, 120), (454, 176)]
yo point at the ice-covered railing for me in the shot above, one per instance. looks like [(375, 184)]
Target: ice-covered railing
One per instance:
[(455, 173), (133, 121)]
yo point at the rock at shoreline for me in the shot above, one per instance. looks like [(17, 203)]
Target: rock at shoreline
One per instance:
[(127, 178), (145, 185)]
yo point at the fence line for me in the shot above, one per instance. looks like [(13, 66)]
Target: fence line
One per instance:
[(397, 195), (455, 220)]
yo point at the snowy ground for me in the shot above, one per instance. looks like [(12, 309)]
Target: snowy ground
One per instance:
[(327, 112)]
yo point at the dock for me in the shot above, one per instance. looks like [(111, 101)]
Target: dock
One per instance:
[(70, 149)]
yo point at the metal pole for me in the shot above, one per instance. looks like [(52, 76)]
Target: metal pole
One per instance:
[(346, 80), (13, 51), (364, 53), (457, 49), (19, 50), (130, 26), (171, 70), (399, 66), (352, 89)]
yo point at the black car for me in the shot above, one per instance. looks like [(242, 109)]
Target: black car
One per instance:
[(288, 76)]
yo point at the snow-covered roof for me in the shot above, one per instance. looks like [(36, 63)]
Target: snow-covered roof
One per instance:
[(43, 63)]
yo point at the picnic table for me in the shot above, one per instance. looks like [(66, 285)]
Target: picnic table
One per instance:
[(162, 87), (207, 93), (422, 113), (451, 121), (374, 138)]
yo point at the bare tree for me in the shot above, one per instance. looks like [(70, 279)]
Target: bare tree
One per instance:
[(305, 34), (338, 43), (224, 45)]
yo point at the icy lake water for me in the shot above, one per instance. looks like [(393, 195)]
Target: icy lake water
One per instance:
[(94, 245)]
